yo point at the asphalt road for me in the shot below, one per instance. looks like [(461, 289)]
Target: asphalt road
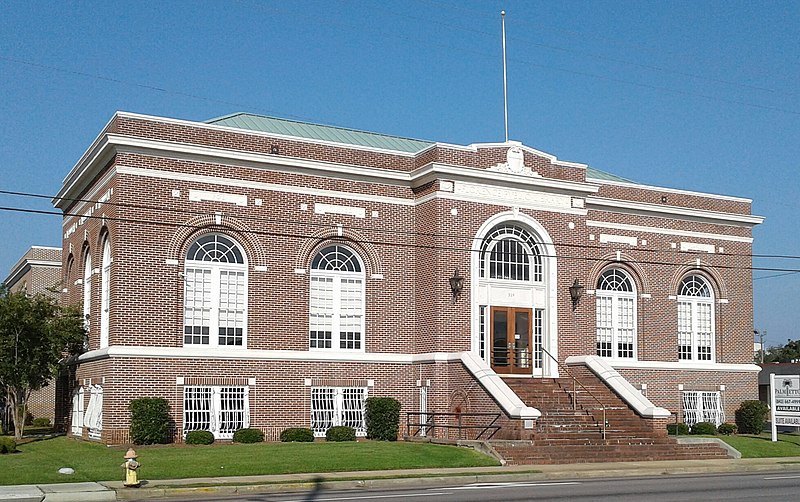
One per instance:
[(778, 486)]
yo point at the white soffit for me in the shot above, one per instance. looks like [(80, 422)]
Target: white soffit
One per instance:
[(667, 231), (645, 209)]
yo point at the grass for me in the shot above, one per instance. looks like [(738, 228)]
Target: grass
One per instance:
[(761, 445), (39, 461)]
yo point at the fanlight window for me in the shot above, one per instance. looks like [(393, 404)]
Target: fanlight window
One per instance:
[(215, 248), (336, 258), (616, 315), (336, 310), (511, 253), (615, 280), (695, 320)]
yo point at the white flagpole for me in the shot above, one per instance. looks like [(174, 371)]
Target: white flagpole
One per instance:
[(505, 90)]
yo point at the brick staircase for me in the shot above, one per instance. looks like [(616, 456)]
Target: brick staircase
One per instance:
[(565, 435)]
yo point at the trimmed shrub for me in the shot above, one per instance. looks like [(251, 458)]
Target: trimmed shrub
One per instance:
[(726, 429), (704, 429), (41, 422), (383, 418), (149, 420), (679, 429), (199, 437), (340, 433), (248, 436), (751, 417), (7, 445), (297, 435)]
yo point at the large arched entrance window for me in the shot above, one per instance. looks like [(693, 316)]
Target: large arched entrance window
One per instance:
[(695, 320), (336, 310), (513, 297), (215, 294), (105, 292), (616, 315)]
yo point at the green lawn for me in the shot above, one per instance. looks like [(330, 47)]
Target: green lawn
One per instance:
[(761, 446), (39, 461)]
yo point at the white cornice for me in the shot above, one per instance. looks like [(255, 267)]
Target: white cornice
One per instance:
[(25, 265), (685, 366), (667, 231), (646, 209), (669, 190)]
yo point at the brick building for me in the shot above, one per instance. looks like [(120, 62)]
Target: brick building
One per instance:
[(38, 271), (269, 273)]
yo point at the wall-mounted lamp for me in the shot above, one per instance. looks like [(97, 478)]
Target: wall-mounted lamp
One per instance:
[(274, 150), (575, 292), (456, 282)]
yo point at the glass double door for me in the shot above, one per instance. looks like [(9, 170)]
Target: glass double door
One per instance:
[(516, 340)]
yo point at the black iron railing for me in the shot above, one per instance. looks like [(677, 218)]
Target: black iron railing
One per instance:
[(426, 425)]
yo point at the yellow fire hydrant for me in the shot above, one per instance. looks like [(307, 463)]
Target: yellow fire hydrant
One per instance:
[(131, 466)]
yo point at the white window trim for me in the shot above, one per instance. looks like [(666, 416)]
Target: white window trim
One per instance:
[(338, 409), (105, 293), (337, 304), (615, 297), (216, 408), (87, 290), (77, 412), (213, 329), (694, 302), (702, 413)]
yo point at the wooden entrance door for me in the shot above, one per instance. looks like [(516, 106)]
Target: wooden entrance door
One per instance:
[(511, 340)]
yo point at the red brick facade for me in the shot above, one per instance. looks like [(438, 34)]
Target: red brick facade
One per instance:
[(152, 186)]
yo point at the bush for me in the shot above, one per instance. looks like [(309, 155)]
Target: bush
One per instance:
[(704, 429), (7, 445), (726, 429), (383, 418), (297, 435), (248, 436), (679, 429), (751, 417), (41, 422), (340, 433), (199, 437), (149, 420)]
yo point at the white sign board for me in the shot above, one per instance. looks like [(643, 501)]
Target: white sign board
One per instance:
[(784, 391)]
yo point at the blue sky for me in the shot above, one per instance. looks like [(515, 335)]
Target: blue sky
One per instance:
[(692, 95)]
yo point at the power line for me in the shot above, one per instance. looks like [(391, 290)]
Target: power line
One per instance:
[(378, 242), (261, 219)]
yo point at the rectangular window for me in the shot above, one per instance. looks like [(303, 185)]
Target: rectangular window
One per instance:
[(350, 314), (626, 327), (538, 336), (482, 332), (197, 310), (605, 326), (334, 406), (232, 293), (77, 412), (219, 410), (704, 332), (321, 315), (684, 331), (701, 406)]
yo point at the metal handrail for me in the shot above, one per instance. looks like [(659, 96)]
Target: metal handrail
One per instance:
[(574, 391), (430, 423)]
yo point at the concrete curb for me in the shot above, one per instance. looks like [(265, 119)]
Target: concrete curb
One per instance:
[(243, 485)]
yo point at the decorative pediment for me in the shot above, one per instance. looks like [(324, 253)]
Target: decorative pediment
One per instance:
[(515, 164)]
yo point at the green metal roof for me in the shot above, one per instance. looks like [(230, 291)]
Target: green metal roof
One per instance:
[(597, 174), (320, 132), (346, 136)]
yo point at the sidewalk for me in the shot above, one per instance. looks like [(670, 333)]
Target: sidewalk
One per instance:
[(409, 478)]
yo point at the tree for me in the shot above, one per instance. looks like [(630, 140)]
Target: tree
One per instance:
[(785, 354), (36, 337)]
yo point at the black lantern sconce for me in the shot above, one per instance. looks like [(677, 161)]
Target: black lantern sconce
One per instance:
[(575, 292), (456, 283)]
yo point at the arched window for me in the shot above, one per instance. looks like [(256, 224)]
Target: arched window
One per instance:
[(616, 315), (510, 252), (215, 295), (336, 310), (87, 288), (695, 320), (105, 292)]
